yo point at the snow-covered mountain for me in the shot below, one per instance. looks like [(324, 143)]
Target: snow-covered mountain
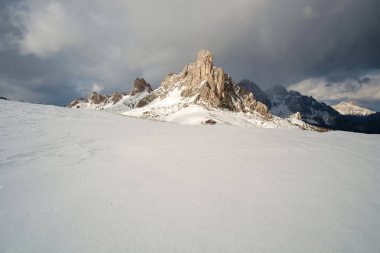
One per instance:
[(285, 103), (116, 102), (201, 94), (351, 108), (293, 105), (204, 93)]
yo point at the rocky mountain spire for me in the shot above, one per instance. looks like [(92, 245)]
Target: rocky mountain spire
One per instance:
[(139, 86), (208, 78), (208, 86)]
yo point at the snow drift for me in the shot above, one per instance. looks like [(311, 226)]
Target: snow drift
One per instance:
[(91, 181)]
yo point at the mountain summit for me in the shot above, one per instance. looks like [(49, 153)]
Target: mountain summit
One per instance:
[(140, 86), (204, 84)]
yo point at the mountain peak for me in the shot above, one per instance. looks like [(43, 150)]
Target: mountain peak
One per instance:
[(96, 98), (139, 86), (205, 57), (206, 85)]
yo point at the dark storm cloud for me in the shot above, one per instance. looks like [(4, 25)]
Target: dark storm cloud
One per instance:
[(53, 51)]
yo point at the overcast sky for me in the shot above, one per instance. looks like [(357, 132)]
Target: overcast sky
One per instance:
[(55, 51)]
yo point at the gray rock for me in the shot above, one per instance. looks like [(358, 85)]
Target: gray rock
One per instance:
[(139, 86)]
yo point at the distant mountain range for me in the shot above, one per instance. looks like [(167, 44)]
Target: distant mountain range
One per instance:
[(204, 94), (284, 103), (346, 116)]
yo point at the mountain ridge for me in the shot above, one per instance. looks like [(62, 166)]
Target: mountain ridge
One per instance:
[(201, 93)]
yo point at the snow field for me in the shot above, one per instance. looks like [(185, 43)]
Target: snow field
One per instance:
[(92, 181)]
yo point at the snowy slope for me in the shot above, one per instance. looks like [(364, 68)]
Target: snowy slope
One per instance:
[(127, 102), (350, 108), (175, 108), (91, 181)]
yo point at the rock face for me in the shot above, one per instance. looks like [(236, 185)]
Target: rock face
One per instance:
[(116, 97), (139, 86), (97, 98), (259, 94), (208, 86)]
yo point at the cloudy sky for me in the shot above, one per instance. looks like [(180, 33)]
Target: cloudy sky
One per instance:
[(55, 51)]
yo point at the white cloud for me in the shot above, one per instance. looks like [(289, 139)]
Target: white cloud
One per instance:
[(113, 42), (97, 87), (84, 88), (48, 31), (350, 89), (308, 12)]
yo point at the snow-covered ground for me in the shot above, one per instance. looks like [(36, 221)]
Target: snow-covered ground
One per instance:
[(93, 181)]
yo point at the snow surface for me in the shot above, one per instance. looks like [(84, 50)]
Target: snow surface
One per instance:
[(93, 181)]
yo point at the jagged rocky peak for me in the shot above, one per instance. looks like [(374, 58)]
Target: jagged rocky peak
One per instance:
[(210, 86), (139, 86), (96, 98), (206, 79)]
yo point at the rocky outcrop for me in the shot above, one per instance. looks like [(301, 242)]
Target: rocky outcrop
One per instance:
[(93, 98), (259, 94), (208, 86), (139, 86), (116, 97), (74, 103), (96, 98)]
